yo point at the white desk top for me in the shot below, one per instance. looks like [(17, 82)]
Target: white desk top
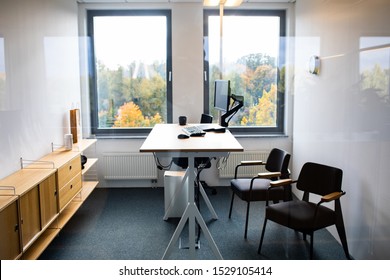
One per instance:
[(163, 138)]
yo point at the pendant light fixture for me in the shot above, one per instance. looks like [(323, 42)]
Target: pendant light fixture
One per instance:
[(222, 4)]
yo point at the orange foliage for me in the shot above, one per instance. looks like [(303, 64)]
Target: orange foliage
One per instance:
[(130, 115)]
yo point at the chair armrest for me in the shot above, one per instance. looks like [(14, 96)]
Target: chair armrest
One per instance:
[(332, 196), (252, 162), (280, 183), (269, 175), (247, 163)]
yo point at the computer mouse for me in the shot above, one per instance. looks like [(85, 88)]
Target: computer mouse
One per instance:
[(183, 136), (220, 130)]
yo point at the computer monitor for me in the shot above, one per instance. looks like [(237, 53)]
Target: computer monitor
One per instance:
[(222, 95), (226, 102)]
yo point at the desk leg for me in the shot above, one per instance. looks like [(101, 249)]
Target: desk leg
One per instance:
[(208, 203), (207, 234), (191, 214), (177, 233)]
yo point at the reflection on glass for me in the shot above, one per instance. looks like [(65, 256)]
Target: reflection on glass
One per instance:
[(374, 98), (2, 75), (375, 65)]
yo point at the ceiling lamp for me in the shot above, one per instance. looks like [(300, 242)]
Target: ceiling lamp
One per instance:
[(221, 4), (226, 3)]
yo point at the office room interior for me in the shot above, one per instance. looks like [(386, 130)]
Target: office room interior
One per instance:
[(329, 118)]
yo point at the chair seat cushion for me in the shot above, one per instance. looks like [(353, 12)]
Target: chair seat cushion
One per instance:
[(241, 188), (299, 215)]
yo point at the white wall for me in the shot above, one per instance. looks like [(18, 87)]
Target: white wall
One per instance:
[(41, 66), (335, 122)]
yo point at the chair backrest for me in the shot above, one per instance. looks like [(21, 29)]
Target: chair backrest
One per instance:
[(319, 179), (183, 161), (278, 161), (205, 118)]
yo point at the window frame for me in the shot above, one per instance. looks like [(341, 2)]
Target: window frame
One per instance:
[(279, 129), (141, 131)]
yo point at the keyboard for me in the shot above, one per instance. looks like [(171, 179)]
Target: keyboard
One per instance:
[(193, 131), (212, 128)]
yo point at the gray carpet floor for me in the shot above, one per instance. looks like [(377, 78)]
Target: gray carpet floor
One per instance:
[(127, 224)]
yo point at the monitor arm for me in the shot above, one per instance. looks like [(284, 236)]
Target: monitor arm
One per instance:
[(238, 104)]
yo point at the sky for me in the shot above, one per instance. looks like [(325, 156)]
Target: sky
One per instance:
[(119, 39), (243, 35)]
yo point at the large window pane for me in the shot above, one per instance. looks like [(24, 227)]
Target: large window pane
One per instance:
[(130, 63), (250, 56)]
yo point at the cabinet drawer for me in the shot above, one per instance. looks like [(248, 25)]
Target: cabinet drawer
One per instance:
[(68, 191), (68, 171)]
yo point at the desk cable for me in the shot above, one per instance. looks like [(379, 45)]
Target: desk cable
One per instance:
[(222, 162), (159, 165)]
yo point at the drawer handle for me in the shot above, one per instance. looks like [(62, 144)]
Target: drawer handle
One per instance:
[(71, 186), (70, 167)]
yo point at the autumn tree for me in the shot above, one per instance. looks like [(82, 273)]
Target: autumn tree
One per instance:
[(130, 115), (256, 78), (264, 113), (376, 79), (123, 85)]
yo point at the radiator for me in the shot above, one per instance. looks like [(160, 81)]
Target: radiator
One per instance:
[(124, 166), (235, 158)]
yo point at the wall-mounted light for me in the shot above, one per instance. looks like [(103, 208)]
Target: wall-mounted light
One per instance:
[(221, 4), (314, 65), (226, 3)]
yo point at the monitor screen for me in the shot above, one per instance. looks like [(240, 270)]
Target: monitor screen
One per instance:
[(221, 94)]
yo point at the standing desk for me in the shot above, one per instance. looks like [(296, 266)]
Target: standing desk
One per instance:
[(163, 142)]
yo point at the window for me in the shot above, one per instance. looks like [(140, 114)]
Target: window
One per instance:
[(251, 54), (130, 68)]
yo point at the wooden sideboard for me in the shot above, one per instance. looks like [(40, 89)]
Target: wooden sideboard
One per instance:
[(39, 199)]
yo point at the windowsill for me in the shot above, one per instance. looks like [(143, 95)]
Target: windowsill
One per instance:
[(237, 135), (119, 136)]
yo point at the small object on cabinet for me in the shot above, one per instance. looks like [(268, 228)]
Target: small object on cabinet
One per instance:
[(75, 125)]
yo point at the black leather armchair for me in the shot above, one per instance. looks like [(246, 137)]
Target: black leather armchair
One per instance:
[(305, 216), (256, 188)]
